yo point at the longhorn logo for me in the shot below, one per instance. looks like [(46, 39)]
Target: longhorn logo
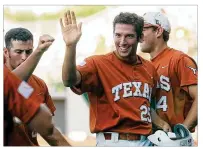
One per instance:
[(193, 69)]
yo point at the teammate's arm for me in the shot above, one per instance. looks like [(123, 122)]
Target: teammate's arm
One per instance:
[(71, 34), (56, 139), (191, 119), (18, 97), (26, 68), (187, 65), (42, 122)]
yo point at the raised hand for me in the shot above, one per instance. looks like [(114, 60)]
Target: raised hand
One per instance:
[(70, 30), (45, 41)]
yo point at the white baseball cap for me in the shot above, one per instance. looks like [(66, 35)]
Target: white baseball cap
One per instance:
[(157, 19)]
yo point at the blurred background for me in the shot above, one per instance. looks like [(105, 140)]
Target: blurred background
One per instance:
[(72, 111)]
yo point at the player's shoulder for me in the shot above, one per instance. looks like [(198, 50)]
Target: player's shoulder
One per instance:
[(6, 71), (9, 76), (177, 54), (102, 57), (36, 80)]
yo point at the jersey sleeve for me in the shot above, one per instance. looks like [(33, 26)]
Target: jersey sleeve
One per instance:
[(48, 100), (89, 77), (187, 71), (19, 97)]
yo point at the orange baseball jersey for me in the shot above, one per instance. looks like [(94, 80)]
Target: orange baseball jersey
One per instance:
[(119, 93), (176, 71), (22, 136), (19, 101)]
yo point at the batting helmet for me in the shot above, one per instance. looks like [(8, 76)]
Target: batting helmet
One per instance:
[(179, 137)]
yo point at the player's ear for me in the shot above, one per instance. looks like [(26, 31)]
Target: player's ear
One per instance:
[(6, 52), (160, 31)]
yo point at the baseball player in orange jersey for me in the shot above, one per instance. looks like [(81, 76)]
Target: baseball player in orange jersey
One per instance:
[(119, 84), (19, 101), (19, 46), (177, 101)]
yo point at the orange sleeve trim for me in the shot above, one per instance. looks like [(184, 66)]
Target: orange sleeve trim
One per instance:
[(33, 108), (50, 104), (189, 82), (52, 109)]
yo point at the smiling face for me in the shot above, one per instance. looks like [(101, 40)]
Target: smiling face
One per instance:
[(125, 39), (18, 53)]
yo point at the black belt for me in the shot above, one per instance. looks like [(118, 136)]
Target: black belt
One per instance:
[(123, 136)]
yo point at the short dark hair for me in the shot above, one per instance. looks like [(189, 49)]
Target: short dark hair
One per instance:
[(19, 34), (132, 19), (165, 36)]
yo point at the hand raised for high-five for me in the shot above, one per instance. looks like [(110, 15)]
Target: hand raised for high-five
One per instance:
[(70, 30)]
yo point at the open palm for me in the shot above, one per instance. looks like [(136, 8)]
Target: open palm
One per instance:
[(70, 31)]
